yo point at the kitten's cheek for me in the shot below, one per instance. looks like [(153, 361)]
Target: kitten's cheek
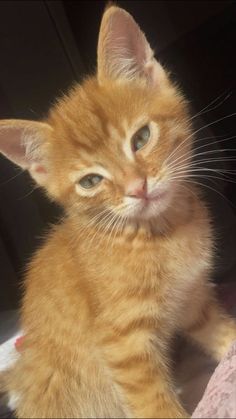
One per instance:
[(133, 206)]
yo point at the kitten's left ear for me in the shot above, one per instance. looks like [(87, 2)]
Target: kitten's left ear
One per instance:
[(123, 51), (24, 142)]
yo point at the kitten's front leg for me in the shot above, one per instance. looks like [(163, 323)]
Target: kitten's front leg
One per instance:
[(141, 374), (213, 329)]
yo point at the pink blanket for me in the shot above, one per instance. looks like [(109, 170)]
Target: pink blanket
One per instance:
[(219, 399)]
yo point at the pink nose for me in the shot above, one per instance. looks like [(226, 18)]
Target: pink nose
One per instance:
[(137, 188)]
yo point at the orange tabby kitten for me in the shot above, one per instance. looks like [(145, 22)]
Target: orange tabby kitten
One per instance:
[(130, 265)]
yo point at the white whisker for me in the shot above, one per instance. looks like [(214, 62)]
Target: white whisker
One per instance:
[(194, 155), (206, 110), (195, 132)]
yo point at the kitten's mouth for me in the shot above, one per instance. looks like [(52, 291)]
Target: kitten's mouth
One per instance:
[(149, 205), (153, 204), (158, 197)]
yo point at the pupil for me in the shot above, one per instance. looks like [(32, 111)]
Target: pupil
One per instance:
[(140, 143), (141, 138)]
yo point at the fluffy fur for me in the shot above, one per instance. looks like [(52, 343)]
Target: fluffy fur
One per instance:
[(120, 275)]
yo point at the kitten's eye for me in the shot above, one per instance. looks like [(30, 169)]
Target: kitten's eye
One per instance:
[(89, 181), (140, 138)]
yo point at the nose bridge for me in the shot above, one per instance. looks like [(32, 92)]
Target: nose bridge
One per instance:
[(132, 172)]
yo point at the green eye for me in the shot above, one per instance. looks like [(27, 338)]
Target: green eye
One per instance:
[(140, 138), (89, 181)]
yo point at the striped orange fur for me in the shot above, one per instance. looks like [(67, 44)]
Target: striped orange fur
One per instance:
[(129, 265)]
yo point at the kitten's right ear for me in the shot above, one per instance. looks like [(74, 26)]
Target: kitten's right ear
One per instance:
[(24, 143), (124, 52)]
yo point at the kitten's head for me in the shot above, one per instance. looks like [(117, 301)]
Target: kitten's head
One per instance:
[(113, 144)]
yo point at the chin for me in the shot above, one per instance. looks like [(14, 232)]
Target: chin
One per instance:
[(153, 209)]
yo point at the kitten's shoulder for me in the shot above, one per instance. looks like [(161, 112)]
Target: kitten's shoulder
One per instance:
[(54, 254)]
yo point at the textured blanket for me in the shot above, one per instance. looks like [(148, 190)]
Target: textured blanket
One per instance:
[(219, 399)]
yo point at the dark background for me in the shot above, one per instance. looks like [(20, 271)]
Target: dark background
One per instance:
[(45, 46)]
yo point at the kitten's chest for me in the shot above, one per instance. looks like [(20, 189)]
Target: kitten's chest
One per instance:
[(154, 279), (169, 268), (178, 258)]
